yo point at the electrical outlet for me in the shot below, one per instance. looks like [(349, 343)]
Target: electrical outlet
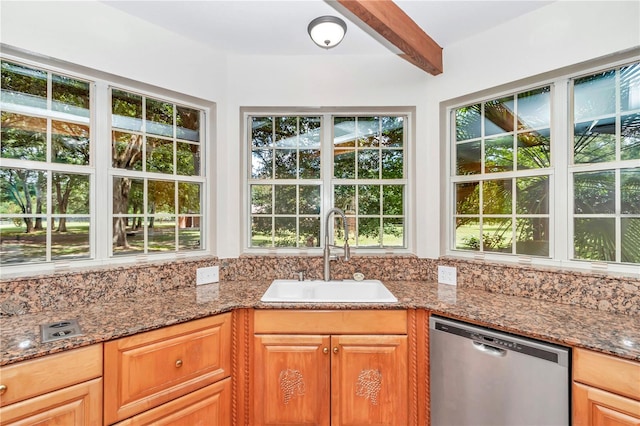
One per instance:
[(447, 275), (207, 275)]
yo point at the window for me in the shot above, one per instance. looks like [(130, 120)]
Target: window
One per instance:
[(299, 169), (508, 165), (54, 152), (46, 168)]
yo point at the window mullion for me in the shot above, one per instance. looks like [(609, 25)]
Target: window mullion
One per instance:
[(102, 202), (561, 226)]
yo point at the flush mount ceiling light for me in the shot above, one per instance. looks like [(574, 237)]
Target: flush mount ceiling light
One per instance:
[(327, 31)]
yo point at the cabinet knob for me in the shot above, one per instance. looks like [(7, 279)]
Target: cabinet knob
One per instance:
[(179, 363), (335, 350), (3, 389), (325, 350)]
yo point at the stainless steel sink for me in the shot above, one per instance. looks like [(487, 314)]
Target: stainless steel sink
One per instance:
[(348, 291)]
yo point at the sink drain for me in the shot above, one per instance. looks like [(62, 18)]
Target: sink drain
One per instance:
[(60, 330)]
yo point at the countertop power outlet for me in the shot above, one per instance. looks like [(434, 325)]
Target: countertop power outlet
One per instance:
[(447, 275), (210, 274)]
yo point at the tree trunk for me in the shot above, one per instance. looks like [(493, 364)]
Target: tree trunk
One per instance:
[(121, 187)]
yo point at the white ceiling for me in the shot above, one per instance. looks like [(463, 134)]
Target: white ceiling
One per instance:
[(280, 27)]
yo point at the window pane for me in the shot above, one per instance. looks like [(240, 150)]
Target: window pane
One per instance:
[(261, 164), (468, 233), (369, 232), (393, 232), (23, 239), (499, 116), (594, 192), (262, 132), (23, 137), (261, 231), (468, 198), (496, 196), (23, 191), (189, 233), (594, 95), (128, 235), (286, 163), (309, 164), (368, 199), (595, 141), (126, 151), (71, 239), (532, 195), (261, 199), (344, 132), (594, 239), (128, 196), (309, 232), (630, 191), (392, 131), (23, 86), (468, 158), (309, 199), (392, 163), (630, 136), (498, 154), (534, 150), (532, 236), (468, 122), (310, 132), (344, 163), (70, 143), (188, 159), (497, 235), (286, 132), (159, 117), (368, 131), (187, 124), (126, 110), (534, 108), (162, 233), (630, 240), (70, 194), (285, 232), (369, 164), (630, 87), (393, 199), (189, 198), (161, 197), (159, 155), (285, 199), (69, 95), (345, 197)]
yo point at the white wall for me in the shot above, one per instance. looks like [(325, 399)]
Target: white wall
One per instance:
[(561, 34)]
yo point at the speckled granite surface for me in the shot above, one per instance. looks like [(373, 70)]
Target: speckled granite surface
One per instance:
[(104, 320)]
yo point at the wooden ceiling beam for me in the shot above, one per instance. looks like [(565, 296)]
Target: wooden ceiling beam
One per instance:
[(392, 23)]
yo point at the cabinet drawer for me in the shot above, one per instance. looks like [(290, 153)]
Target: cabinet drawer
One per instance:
[(331, 322), (36, 377), (607, 372), (149, 369)]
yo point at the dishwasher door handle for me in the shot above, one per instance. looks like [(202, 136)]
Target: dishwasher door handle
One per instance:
[(489, 350)]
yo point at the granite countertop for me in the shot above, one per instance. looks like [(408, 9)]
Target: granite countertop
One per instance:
[(615, 334)]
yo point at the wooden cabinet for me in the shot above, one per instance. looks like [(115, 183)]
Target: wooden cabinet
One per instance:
[(61, 389), (606, 390), (147, 370), (330, 367)]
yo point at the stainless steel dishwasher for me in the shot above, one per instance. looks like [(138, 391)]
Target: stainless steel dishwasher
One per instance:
[(481, 376)]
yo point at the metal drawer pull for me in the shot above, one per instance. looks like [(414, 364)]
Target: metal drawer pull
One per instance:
[(3, 389), (335, 350), (179, 363), (325, 350)]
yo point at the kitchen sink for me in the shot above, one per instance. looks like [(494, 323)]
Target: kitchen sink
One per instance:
[(347, 291)]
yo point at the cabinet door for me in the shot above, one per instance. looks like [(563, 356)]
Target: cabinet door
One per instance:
[(75, 405), (369, 383), (209, 406), (291, 379), (595, 407)]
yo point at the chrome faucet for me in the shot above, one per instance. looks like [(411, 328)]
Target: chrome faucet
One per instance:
[(327, 247)]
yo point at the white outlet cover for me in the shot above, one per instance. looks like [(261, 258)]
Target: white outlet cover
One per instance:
[(207, 275), (447, 275)]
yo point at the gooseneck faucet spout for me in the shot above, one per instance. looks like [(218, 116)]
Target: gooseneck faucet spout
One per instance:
[(327, 246)]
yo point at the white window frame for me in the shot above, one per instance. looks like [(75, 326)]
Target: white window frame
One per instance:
[(327, 180), (102, 173), (560, 206)]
